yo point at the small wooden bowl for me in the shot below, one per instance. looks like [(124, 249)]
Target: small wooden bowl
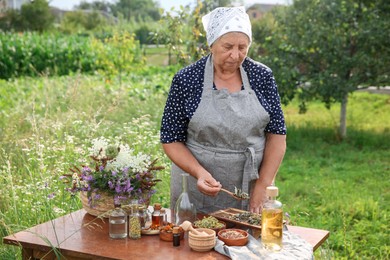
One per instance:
[(168, 235), (242, 240), (202, 243)]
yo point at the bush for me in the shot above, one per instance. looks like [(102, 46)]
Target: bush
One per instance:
[(32, 54)]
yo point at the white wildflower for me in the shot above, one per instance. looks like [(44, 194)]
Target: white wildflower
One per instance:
[(140, 162), (98, 148), (122, 160), (58, 210)]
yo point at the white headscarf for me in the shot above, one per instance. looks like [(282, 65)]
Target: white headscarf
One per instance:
[(226, 19)]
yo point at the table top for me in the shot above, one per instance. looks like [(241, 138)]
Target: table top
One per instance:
[(80, 235)]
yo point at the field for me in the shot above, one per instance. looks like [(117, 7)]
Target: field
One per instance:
[(46, 125)]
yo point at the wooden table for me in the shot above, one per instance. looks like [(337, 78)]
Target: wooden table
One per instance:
[(81, 236)]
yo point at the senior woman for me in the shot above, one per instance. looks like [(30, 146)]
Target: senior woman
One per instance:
[(223, 123)]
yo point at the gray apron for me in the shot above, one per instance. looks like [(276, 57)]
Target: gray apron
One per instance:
[(226, 135)]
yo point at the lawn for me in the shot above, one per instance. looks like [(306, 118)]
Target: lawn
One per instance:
[(46, 125)]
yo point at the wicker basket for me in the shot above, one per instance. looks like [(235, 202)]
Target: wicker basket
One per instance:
[(202, 243), (100, 207)]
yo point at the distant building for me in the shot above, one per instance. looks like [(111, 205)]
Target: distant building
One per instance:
[(257, 11)]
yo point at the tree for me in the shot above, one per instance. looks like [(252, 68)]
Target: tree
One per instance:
[(330, 49), (138, 9), (81, 21), (209, 5), (11, 21), (37, 16), (95, 5), (33, 16), (183, 34)]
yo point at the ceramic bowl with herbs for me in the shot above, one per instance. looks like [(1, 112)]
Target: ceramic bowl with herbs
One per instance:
[(233, 237), (211, 223)]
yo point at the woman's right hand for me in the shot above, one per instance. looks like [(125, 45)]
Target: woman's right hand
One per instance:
[(209, 186), (182, 157)]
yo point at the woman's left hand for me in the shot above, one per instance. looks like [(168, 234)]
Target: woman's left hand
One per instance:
[(257, 199)]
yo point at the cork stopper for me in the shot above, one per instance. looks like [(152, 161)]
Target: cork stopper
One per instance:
[(272, 191), (176, 230), (157, 206)]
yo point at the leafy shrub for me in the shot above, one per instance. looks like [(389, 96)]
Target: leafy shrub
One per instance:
[(32, 54)]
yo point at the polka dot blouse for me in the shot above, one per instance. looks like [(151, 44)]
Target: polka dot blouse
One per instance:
[(186, 92)]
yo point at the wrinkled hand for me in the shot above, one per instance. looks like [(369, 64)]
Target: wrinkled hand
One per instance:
[(257, 200), (209, 186)]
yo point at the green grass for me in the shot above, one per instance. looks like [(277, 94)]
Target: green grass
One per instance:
[(46, 123), (157, 55)]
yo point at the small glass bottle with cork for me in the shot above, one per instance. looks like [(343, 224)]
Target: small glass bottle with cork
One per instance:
[(176, 236), (156, 216)]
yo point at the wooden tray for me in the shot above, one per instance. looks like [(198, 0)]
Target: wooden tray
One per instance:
[(224, 215)]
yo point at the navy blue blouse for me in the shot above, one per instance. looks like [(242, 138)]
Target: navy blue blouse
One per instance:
[(186, 92)]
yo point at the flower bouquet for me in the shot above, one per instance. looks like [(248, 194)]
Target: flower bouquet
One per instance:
[(115, 171)]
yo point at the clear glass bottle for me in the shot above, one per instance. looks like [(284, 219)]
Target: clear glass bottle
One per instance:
[(134, 221), (143, 215), (118, 223), (272, 221), (184, 209), (163, 217)]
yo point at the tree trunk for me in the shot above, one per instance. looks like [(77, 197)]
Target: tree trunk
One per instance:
[(343, 117)]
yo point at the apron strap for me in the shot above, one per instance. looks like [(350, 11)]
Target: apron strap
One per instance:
[(250, 172), (209, 76)]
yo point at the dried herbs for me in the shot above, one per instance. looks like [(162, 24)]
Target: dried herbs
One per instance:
[(208, 222), (248, 217), (240, 194)]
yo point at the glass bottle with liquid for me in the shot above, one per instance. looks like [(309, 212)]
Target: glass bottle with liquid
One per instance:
[(143, 215), (156, 216), (118, 223), (184, 209), (134, 221), (163, 217), (272, 221), (176, 236)]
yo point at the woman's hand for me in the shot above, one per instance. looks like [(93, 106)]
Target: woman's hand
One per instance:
[(257, 198), (209, 186), (275, 147), (182, 157)]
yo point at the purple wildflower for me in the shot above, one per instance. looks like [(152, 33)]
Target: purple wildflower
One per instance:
[(118, 188), (86, 169), (128, 185)]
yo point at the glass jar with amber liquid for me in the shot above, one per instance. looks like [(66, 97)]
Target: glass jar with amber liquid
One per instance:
[(156, 216), (272, 221)]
